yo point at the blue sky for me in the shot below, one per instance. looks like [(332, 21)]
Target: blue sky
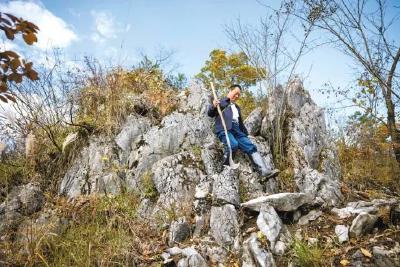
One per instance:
[(120, 30)]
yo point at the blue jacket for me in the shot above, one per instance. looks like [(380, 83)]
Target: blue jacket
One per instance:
[(227, 113)]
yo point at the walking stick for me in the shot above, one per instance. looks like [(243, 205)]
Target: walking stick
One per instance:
[(232, 164)]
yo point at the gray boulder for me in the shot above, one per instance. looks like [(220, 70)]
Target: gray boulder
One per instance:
[(342, 232), (224, 225), (22, 201), (93, 171), (175, 178), (269, 223), (382, 257), (176, 132), (311, 216), (193, 258), (353, 208), (272, 227), (179, 231), (133, 127), (25, 199), (253, 121), (362, 224), (255, 255), (280, 201), (226, 187)]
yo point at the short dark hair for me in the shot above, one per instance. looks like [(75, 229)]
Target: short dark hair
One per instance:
[(233, 86)]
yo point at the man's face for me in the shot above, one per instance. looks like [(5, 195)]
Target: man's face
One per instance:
[(234, 94)]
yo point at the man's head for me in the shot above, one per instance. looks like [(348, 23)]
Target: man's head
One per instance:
[(234, 92)]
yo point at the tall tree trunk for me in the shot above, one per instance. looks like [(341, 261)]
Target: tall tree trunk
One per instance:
[(394, 133)]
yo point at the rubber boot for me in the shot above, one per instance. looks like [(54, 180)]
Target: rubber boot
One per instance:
[(260, 166)]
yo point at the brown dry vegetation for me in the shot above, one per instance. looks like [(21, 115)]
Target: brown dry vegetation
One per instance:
[(368, 164), (89, 231)]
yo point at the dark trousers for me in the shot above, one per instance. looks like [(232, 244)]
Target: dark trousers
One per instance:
[(237, 139)]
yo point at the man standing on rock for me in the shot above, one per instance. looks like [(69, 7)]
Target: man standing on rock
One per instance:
[(237, 132)]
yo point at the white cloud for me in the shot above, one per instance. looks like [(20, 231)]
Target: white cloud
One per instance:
[(106, 28), (54, 32), (95, 37)]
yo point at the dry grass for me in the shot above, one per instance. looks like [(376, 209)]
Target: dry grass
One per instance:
[(369, 164), (108, 98), (93, 231)]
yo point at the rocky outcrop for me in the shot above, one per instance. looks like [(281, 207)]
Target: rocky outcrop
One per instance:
[(22, 201), (95, 170), (175, 166), (132, 129), (175, 178), (314, 160)]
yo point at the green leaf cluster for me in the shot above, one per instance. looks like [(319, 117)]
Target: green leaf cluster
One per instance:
[(224, 69)]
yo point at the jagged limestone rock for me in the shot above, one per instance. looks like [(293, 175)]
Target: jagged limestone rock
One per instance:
[(196, 99), (192, 258), (25, 199), (280, 201), (225, 187), (132, 128), (362, 224), (309, 150), (95, 170), (312, 182), (175, 178), (22, 201), (176, 132), (382, 257), (262, 257), (145, 208), (174, 251), (253, 121), (269, 223), (179, 231), (211, 156), (224, 225), (275, 231), (311, 216), (364, 206)]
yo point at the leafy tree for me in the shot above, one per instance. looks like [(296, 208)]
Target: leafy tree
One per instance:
[(12, 67), (226, 69)]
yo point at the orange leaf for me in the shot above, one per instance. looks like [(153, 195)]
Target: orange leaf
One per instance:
[(15, 63), (11, 98), (33, 75), (344, 262), (16, 77), (366, 253), (9, 53), (9, 33), (3, 87), (2, 98), (29, 38)]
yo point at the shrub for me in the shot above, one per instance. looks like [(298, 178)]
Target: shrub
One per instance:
[(367, 159)]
